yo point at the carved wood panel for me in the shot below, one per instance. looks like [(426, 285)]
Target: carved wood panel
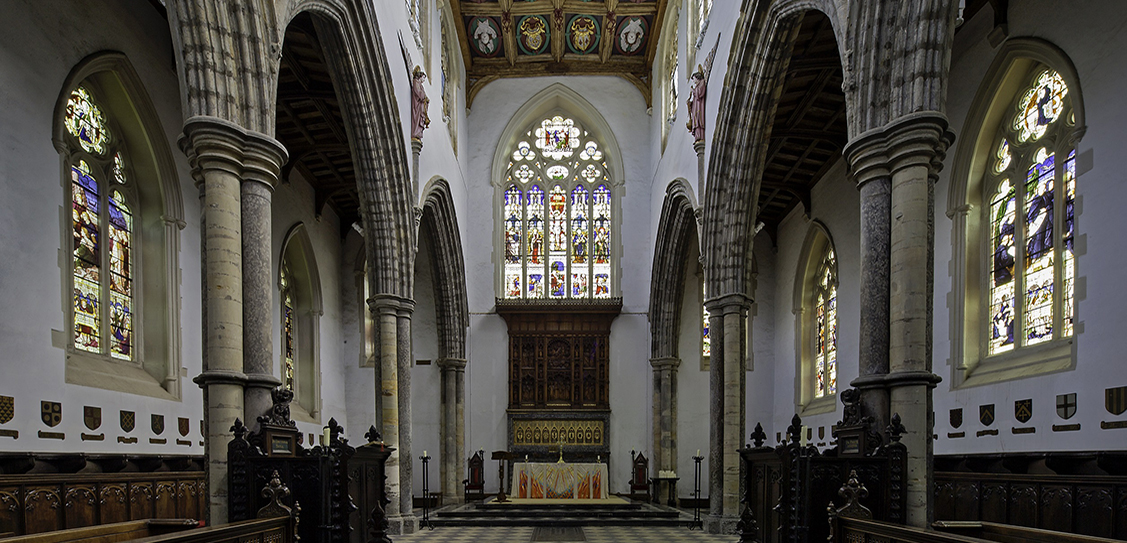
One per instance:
[(559, 355), (80, 504)]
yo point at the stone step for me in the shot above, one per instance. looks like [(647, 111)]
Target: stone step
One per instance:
[(561, 521), (626, 514)]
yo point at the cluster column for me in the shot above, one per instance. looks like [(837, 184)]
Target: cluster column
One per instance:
[(665, 413), (452, 426), (224, 159), (908, 153), (727, 384), (387, 311)]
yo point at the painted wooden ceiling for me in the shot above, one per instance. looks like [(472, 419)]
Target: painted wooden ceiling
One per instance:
[(522, 38)]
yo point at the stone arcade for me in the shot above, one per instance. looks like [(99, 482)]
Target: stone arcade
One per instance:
[(604, 231)]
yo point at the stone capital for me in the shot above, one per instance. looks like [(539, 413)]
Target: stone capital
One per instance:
[(263, 158), (665, 363), (262, 380), (728, 303), (916, 139), (451, 364), (212, 143), (220, 377), (390, 304)]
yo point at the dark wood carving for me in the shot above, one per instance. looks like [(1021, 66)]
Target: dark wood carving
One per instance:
[(788, 488), (1075, 492), (559, 353), (367, 487), (474, 486), (51, 492)]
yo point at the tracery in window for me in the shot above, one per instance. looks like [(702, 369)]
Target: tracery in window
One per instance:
[(825, 327), (289, 351), (557, 215), (1030, 250), (100, 212)]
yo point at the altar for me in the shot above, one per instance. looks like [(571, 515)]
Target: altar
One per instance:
[(544, 480)]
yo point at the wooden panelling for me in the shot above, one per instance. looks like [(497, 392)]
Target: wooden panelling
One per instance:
[(80, 506)]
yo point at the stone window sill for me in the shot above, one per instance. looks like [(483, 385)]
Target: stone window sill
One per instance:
[(99, 372), (1050, 357), (825, 404)]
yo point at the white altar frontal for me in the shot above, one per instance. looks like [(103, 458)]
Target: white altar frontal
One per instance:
[(543, 480)]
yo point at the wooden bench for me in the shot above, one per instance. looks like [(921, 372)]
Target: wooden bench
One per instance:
[(1006, 533), (110, 533)]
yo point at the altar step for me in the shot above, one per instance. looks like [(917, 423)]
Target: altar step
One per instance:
[(492, 514)]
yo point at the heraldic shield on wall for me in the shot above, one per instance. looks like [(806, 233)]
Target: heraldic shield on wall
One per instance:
[(51, 412)]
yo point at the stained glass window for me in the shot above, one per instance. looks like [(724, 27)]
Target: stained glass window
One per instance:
[(101, 216), (825, 327), (289, 332), (557, 236), (1030, 247), (705, 336)]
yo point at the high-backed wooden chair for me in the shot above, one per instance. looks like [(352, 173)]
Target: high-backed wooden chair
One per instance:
[(475, 484), (639, 477)]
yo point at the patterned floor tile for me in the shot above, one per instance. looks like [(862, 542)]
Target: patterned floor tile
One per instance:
[(594, 534)]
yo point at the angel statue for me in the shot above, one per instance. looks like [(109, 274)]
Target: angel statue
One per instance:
[(419, 104), (698, 93)]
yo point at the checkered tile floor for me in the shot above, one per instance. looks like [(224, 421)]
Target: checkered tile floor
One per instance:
[(523, 534)]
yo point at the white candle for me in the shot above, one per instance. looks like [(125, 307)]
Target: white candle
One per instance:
[(698, 452), (327, 436), (424, 452)]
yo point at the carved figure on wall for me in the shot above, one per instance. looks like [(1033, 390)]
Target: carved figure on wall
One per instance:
[(698, 95), (420, 120)]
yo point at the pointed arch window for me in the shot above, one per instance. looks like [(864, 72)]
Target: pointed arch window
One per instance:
[(558, 211), (816, 312), (102, 232), (300, 310), (1030, 192)]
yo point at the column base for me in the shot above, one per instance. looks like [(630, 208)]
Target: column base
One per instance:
[(723, 524), (402, 524)]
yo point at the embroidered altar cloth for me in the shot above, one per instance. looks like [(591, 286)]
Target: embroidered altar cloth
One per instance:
[(544, 480)]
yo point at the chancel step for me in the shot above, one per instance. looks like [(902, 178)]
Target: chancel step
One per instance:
[(587, 514)]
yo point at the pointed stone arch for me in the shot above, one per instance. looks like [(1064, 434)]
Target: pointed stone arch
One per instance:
[(678, 223), (299, 258), (452, 306), (814, 246)]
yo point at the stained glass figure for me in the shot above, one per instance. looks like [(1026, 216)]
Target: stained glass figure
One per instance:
[(601, 248), (1069, 259), (580, 204), (1002, 273), (557, 138), (86, 222), (289, 347), (535, 260), (825, 326), (85, 121), (118, 168), (1004, 157), (557, 242), (121, 277), (514, 228), (1041, 106), (1039, 249)]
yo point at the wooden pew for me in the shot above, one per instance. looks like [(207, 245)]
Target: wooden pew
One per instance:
[(1005, 533), (110, 533)]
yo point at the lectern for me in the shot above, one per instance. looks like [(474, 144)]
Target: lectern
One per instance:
[(501, 457)]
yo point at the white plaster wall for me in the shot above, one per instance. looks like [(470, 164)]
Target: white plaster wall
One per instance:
[(764, 359), (426, 392), (836, 204), (624, 109), (293, 204), (692, 383), (42, 42), (1091, 36)]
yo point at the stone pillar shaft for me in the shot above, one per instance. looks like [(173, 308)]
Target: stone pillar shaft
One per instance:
[(875, 246), (460, 425), (263, 159), (664, 455), (214, 149), (727, 407), (452, 371), (388, 403), (394, 322), (406, 460)]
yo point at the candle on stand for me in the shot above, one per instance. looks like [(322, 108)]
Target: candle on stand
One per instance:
[(424, 452), (698, 452), (327, 436)]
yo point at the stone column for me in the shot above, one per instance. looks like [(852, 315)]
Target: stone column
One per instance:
[(917, 145), (214, 150), (452, 371), (384, 310), (262, 163), (870, 171), (702, 171), (665, 414), (406, 461), (727, 383)]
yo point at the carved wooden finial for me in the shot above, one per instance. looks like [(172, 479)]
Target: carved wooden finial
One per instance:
[(335, 430), (748, 527), (895, 429), (239, 429), (296, 521), (853, 492), (758, 436), (275, 492), (794, 431), (373, 435)]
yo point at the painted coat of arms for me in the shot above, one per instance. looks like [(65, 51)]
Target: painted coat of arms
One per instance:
[(52, 413), (128, 420), (92, 417)]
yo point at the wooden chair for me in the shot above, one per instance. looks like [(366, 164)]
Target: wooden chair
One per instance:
[(639, 477), (475, 484)]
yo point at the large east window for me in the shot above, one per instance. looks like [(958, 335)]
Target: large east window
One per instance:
[(557, 213)]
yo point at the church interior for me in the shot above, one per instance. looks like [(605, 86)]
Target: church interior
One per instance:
[(562, 270)]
